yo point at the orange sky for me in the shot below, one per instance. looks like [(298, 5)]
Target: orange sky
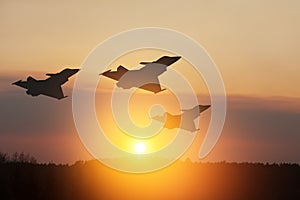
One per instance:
[(254, 43), (256, 40)]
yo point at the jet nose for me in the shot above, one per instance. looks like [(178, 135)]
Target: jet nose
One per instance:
[(15, 83)]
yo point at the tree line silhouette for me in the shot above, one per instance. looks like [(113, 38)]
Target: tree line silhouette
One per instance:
[(17, 158), (22, 177)]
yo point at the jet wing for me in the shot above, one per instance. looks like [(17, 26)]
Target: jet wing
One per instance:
[(165, 60), (177, 121), (55, 92), (188, 125), (116, 75), (191, 114), (152, 87)]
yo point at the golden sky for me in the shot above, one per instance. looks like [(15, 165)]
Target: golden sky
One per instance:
[(254, 43)]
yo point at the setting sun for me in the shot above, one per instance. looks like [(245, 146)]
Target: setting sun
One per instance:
[(139, 147)]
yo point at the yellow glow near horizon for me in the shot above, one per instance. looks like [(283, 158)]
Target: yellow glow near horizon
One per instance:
[(140, 147)]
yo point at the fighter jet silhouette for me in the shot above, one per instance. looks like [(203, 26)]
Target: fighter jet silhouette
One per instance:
[(50, 87), (145, 78), (184, 120)]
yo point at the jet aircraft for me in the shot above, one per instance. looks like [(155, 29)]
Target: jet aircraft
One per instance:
[(145, 78), (50, 87), (185, 120)]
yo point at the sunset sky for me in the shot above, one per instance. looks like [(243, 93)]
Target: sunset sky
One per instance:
[(255, 44)]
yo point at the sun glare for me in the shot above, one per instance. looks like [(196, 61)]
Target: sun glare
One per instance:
[(139, 147)]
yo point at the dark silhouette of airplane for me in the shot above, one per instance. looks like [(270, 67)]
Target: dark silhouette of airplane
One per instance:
[(185, 120), (145, 78), (50, 87)]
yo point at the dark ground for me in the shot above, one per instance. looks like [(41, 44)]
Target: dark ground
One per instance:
[(182, 180)]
